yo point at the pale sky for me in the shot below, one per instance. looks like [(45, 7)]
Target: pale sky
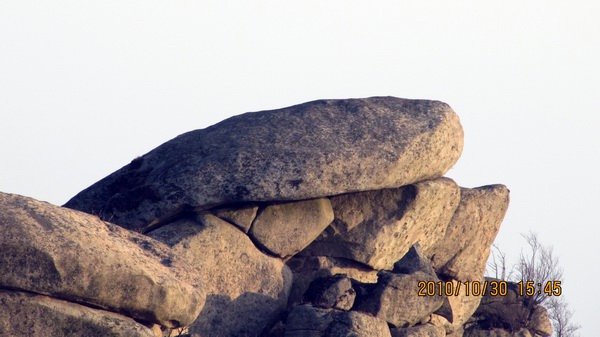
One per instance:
[(85, 87)]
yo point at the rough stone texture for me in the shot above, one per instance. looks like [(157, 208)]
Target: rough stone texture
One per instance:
[(463, 252), (458, 333), (476, 332), (378, 227), (425, 330), (244, 289), (456, 309), (240, 215), (414, 260), (24, 314), (331, 292), (502, 312), (539, 322), (77, 257), (308, 268), (308, 321), (395, 299), (284, 229), (311, 150)]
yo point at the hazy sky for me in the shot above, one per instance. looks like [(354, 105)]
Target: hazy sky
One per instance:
[(86, 86)]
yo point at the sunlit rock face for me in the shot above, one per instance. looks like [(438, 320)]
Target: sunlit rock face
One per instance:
[(329, 218), (311, 150)]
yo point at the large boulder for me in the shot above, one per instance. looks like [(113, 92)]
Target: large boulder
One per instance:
[(311, 150), (26, 314), (463, 252), (245, 288), (378, 227), (284, 229), (308, 321), (77, 257)]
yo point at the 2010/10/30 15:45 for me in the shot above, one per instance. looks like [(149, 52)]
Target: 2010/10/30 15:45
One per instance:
[(531, 288), (495, 288)]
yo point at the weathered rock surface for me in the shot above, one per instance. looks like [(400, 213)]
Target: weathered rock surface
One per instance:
[(378, 227), (425, 330), (413, 261), (476, 332), (309, 268), (25, 314), (242, 216), (456, 309), (75, 256), (395, 299), (284, 229), (333, 292), (539, 322), (244, 289), (463, 252), (308, 321), (306, 151)]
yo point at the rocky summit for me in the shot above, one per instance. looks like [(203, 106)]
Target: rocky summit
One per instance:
[(331, 218), (311, 150)]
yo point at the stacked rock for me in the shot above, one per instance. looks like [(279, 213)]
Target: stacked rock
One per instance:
[(321, 219)]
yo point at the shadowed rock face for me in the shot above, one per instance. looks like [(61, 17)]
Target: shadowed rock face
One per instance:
[(24, 314), (311, 150)]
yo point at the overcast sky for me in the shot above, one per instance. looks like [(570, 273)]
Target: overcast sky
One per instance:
[(86, 86)]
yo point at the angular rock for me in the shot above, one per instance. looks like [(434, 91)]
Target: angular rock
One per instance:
[(309, 268), (241, 215), (25, 314), (378, 227), (456, 309), (424, 330), (284, 229), (395, 299), (306, 151), (414, 261), (308, 321), (77, 257), (245, 289), (463, 252), (333, 292)]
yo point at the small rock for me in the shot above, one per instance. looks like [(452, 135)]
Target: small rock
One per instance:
[(284, 229), (331, 292), (395, 298), (308, 321), (240, 215)]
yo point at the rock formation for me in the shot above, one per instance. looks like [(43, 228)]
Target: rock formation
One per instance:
[(328, 218)]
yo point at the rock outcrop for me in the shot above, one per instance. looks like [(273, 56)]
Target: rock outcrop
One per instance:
[(76, 257), (328, 218), (311, 150), (244, 287)]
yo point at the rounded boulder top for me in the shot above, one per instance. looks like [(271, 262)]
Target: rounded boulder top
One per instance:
[(315, 149)]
